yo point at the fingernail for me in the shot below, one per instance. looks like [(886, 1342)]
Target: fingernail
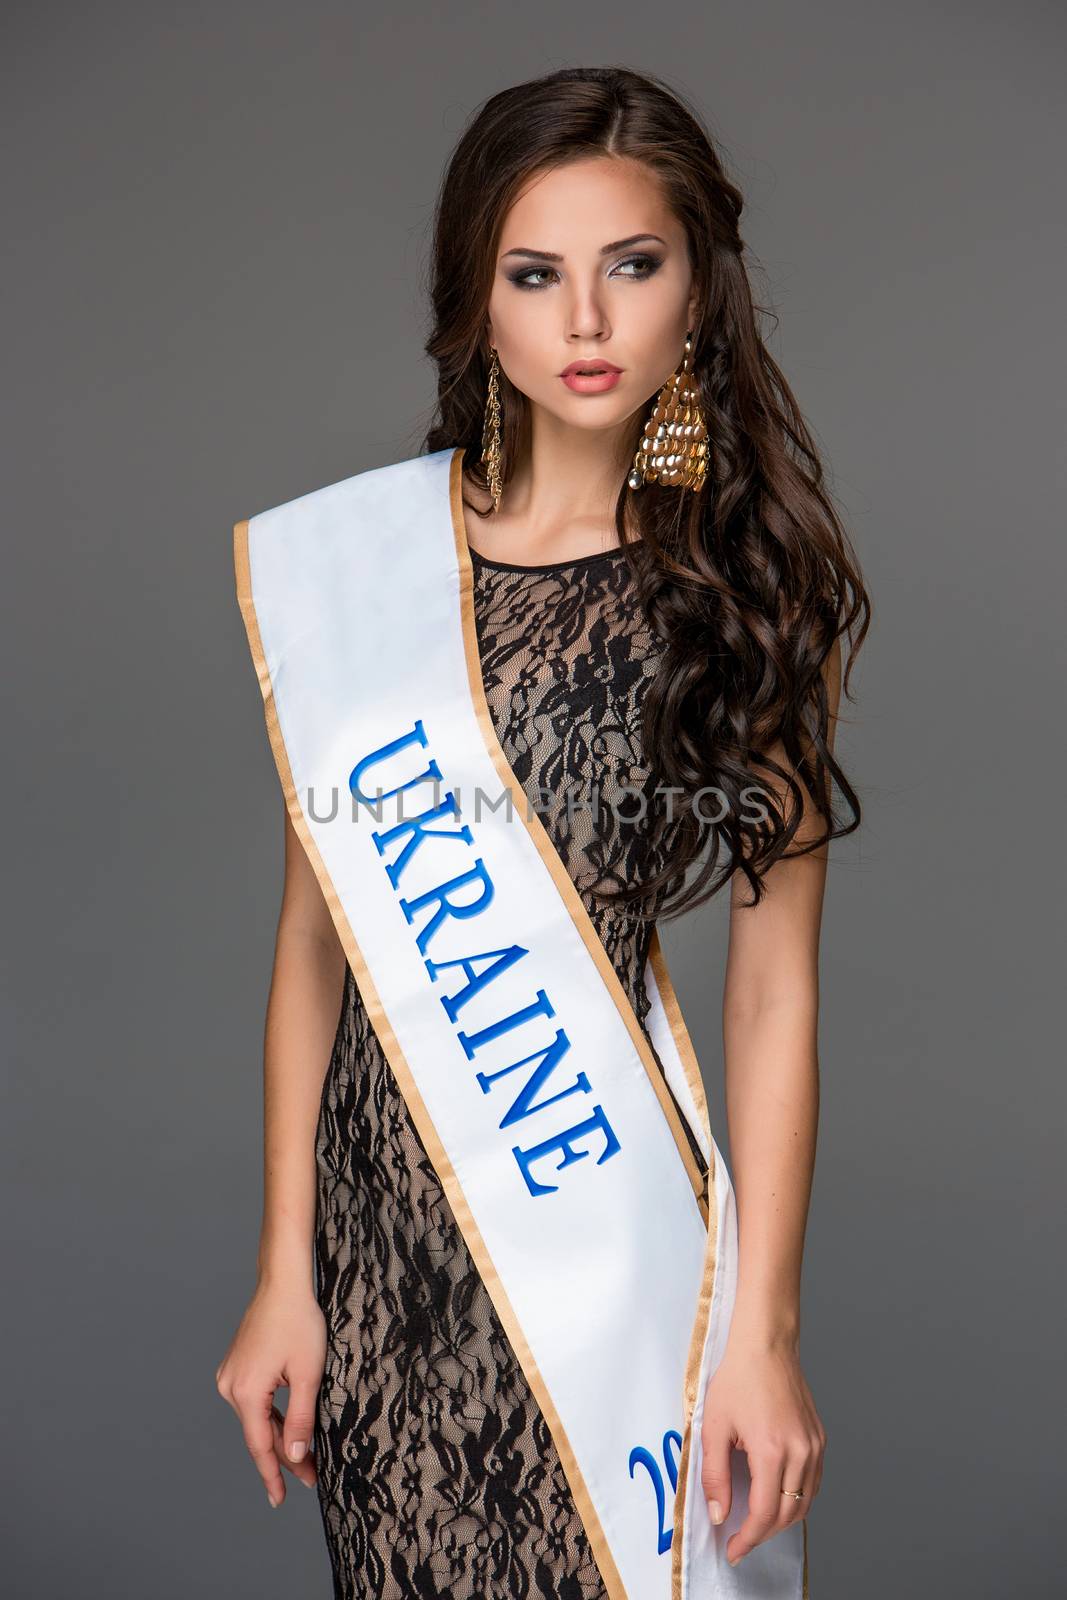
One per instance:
[(715, 1510), (733, 1560), (273, 1502), (296, 1449)]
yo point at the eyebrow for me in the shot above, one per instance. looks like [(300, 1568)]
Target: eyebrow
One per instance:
[(607, 250)]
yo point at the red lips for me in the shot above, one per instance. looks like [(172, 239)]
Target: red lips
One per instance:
[(593, 365)]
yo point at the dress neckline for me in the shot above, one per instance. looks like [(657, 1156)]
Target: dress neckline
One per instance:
[(544, 566)]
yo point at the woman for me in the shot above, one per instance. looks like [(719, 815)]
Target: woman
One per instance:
[(652, 588)]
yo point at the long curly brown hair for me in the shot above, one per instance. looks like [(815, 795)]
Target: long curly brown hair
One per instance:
[(747, 584)]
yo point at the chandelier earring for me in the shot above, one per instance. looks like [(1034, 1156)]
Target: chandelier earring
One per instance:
[(674, 446), (492, 453)]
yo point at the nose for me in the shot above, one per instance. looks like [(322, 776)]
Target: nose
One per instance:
[(586, 316)]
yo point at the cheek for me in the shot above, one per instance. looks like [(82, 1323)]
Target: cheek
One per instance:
[(525, 336), (657, 339), (660, 320)]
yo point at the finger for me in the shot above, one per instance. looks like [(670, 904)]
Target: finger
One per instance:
[(304, 1469), (812, 1470), (300, 1417), (819, 1455), (797, 1473), (764, 1493), (258, 1429), (716, 1439)]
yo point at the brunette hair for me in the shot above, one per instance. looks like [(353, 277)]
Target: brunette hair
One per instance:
[(747, 584)]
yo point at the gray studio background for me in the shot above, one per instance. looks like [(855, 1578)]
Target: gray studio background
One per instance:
[(216, 223)]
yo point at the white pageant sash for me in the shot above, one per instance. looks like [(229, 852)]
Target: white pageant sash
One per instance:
[(522, 1062)]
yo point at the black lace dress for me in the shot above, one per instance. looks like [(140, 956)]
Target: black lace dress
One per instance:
[(437, 1475)]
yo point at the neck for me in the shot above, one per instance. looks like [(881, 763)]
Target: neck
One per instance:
[(567, 477)]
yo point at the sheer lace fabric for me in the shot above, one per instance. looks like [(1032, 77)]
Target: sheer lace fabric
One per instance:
[(437, 1472)]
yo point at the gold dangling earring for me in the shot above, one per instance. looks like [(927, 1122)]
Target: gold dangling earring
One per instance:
[(674, 445), (492, 455)]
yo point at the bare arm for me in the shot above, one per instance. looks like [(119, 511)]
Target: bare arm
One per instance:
[(770, 1039), (302, 1012), (770, 1034), (281, 1339)]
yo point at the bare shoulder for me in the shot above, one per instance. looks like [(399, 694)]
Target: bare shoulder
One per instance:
[(304, 905)]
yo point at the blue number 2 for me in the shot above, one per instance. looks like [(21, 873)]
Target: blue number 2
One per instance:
[(640, 1456)]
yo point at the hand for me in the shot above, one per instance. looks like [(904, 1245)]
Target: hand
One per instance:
[(281, 1340), (757, 1400)]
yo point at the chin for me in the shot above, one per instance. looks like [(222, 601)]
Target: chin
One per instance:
[(593, 424)]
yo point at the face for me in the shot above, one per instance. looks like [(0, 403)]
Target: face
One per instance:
[(592, 269)]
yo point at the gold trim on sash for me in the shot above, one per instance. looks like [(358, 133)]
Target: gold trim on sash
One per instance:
[(804, 1525), (680, 1032), (703, 1183), (549, 854)]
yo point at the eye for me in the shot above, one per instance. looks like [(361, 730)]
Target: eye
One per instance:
[(645, 266), (521, 279)]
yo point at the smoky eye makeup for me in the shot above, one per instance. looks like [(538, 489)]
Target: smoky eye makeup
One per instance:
[(636, 266)]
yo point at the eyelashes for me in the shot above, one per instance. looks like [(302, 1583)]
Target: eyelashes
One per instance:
[(646, 264)]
